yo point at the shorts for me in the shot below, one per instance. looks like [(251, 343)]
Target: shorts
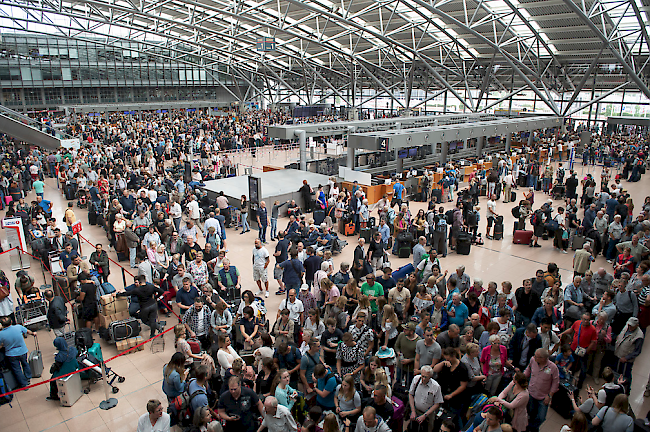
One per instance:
[(538, 230), (277, 273), (89, 313), (490, 221), (260, 274)]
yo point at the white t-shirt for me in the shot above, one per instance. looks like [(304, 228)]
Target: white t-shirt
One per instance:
[(492, 208), (295, 308), (200, 328), (259, 257), (162, 424)]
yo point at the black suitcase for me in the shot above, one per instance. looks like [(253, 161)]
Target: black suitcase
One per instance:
[(120, 330), (463, 248), (405, 237), (69, 192), (319, 217), (92, 217), (404, 251), (482, 190), (561, 401), (122, 256), (365, 233), (436, 195), (513, 196), (472, 219), (498, 231)]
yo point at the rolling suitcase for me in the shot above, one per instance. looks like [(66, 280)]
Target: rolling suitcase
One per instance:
[(513, 196), (579, 242), (403, 272), (69, 389), (107, 288), (319, 217), (365, 233), (404, 251), (69, 192), (498, 231), (436, 195), (120, 330), (349, 229), (463, 245), (522, 237), (84, 338), (36, 360)]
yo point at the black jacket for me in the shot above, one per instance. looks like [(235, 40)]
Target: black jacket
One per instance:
[(516, 346), (57, 313)]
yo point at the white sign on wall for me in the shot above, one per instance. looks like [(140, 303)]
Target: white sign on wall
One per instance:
[(16, 238)]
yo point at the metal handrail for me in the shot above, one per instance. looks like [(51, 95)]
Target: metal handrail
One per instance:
[(35, 124)]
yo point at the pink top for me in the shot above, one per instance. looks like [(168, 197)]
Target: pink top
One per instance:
[(485, 358), (518, 405)]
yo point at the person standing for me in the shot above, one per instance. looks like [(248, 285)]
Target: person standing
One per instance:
[(276, 417), (155, 419), (12, 339), (145, 292), (57, 312), (544, 381), (262, 221), (261, 260)]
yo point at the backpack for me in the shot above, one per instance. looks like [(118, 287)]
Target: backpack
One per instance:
[(477, 403), (449, 216), (536, 219), (441, 224), (515, 212), (181, 405), (332, 374)]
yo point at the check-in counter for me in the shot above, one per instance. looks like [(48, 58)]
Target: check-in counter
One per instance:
[(373, 193)]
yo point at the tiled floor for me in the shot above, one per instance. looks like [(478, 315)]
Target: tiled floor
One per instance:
[(496, 260)]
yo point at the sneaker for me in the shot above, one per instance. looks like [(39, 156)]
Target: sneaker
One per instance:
[(610, 261), (537, 245), (279, 292), (563, 251), (530, 245), (49, 398), (266, 294), (259, 293), (597, 381), (646, 393)]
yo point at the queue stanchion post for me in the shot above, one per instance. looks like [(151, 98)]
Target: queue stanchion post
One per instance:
[(123, 276), (109, 402)]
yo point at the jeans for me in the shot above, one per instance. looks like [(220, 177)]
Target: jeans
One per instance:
[(536, 414), (611, 249), (244, 222), (492, 384), (406, 375), (177, 223), (52, 171), (148, 316), (132, 254), (263, 233), (546, 183), (20, 368), (440, 242), (580, 365), (274, 228)]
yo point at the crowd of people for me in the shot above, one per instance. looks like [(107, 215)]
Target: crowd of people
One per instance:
[(355, 346)]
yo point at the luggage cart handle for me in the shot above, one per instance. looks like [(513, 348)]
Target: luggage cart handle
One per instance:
[(36, 342)]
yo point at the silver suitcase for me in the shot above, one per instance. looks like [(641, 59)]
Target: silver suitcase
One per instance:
[(69, 389)]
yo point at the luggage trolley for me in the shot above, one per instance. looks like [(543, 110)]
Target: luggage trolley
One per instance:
[(32, 312)]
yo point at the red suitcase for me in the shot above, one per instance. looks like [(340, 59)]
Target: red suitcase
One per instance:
[(522, 237)]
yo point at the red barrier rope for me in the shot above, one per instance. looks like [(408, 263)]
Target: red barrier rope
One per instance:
[(88, 367), (109, 258), (8, 250)]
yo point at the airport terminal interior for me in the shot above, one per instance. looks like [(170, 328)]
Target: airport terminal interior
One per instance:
[(351, 114)]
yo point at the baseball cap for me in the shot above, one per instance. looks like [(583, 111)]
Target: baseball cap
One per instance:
[(304, 287)]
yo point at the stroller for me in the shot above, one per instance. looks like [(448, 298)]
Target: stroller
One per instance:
[(558, 191), (82, 198), (93, 357)]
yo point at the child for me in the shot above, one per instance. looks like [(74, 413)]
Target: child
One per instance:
[(564, 361)]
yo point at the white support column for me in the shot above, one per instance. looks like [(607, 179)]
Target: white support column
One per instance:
[(480, 143), (530, 139), (302, 140), (400, 162), (350, 161), (508, 140)]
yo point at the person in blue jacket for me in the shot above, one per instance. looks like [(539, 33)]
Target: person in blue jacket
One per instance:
[(174, 374), (65, 361)]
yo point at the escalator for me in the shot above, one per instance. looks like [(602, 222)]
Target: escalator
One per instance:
[(33, 132)]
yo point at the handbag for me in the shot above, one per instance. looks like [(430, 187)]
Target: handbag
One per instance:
[(580, 351)]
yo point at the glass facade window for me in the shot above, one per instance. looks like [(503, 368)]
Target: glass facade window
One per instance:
[(124, 95), (71, 95), (11, 97), (107, 95), (33, 97), (52, 95), (90, 95)]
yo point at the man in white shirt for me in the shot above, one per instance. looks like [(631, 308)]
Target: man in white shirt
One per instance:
[(491, 214), (211, 221), (425, 396), (195, 213), (277, 418), (155, 419), (509, 181), (549, 338), (295, 306), (261, 260), (176, 213)]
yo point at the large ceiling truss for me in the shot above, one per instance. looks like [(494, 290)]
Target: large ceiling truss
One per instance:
[(465, 48)]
